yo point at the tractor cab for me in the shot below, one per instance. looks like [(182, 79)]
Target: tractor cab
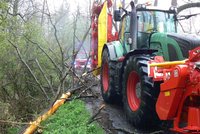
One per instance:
[(148, 20), (152, 28), (151, 21)]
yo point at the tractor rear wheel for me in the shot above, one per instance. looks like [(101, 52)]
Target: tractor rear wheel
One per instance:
[(139, 94), (107, 79)]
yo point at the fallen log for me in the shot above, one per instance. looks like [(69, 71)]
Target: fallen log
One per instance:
[(34, 125)]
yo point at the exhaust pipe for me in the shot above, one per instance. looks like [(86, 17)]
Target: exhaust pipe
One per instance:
[(133, 26)]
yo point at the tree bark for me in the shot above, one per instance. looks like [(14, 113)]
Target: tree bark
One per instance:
[(156, 3), (15, 6), (74, 52), (57, 40), (174, 3), (43, 8), (123, 3), (135, 1)]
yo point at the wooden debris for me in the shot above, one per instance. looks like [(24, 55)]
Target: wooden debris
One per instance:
[(94, 117)]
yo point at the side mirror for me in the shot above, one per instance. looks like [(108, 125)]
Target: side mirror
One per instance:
[(117, 15)]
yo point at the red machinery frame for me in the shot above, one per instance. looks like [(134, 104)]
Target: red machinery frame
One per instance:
[(179, 98)]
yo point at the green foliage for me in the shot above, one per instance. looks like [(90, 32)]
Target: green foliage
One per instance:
[(13, 130), (71, 118), (22, 25), (3, 8)]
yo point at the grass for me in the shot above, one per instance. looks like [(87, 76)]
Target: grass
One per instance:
[(71, 118), (12, 130)]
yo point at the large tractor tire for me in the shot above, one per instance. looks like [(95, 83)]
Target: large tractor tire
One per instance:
[(139, 96), (107, 78)]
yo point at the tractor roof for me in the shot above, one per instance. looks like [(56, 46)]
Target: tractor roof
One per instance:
[(141, 7)]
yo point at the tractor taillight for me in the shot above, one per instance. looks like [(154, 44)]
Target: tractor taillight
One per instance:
[(176, 73)]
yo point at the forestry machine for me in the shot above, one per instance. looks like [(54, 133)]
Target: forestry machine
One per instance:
[(147, 65)]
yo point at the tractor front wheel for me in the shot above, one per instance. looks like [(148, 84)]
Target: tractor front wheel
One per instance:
[(139, 94)]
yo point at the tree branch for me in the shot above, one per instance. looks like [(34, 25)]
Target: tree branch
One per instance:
[(188, 5), (44, 75), (93, 118), (49, 57), (29, 69), (56, 37)]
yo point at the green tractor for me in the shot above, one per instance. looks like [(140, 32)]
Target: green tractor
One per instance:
[(144, 33)]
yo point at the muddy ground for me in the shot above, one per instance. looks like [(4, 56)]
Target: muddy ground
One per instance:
[(112, 118)]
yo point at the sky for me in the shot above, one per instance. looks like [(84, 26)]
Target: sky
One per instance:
[(55, 4), (163, 4)]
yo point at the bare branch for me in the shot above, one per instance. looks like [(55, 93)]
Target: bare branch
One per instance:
[(93, 118), (81, 97), (17, 14), (56, 37), (29, 69), (83, 40), (174, 3), (83, 91), (44, 75), (181, 26), (189, 5), (49, 57), (43, 8)]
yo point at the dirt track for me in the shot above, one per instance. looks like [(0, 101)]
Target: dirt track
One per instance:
[(112, 118)]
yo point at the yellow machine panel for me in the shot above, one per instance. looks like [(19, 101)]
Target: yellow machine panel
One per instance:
[(102, 34)]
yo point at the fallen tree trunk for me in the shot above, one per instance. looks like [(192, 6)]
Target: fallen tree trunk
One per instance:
[(34, 125)]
